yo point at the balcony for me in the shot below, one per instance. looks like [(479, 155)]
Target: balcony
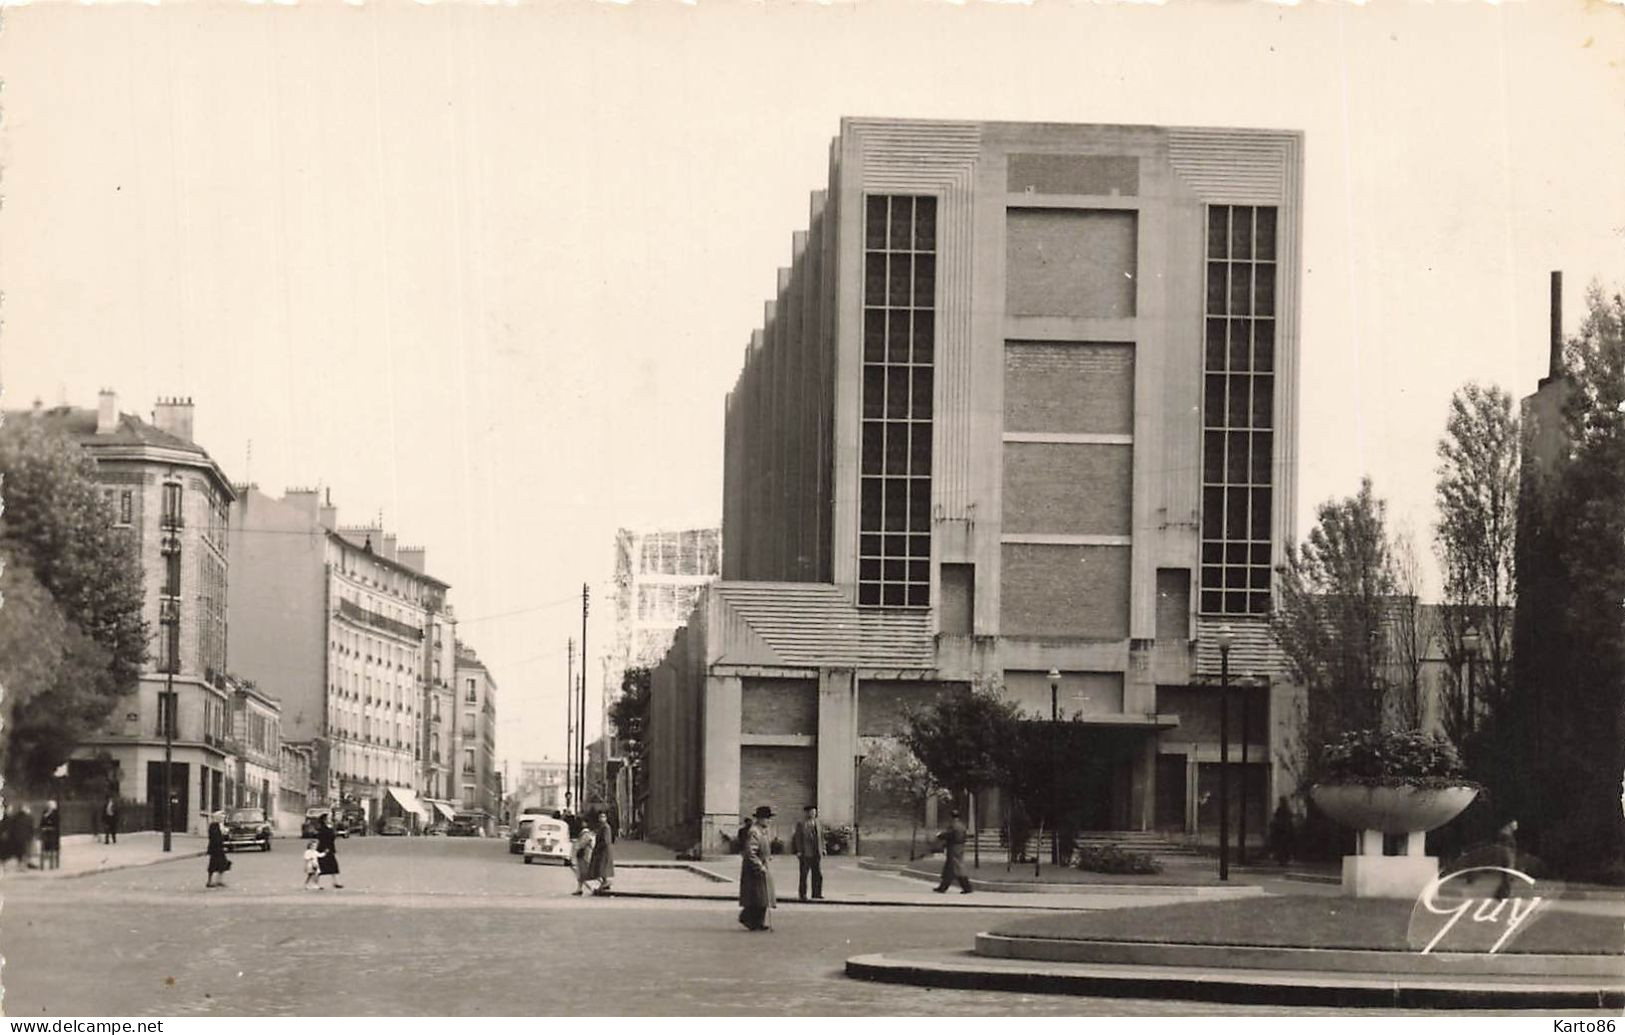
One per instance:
[(357, 613)]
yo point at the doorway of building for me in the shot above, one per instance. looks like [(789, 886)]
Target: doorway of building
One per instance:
[(180, 789)]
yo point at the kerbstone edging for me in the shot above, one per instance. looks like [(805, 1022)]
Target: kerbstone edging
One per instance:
[(1299, 958), (1214, 891), (963, 970)]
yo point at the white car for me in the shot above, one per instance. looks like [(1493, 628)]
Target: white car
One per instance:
[(548, 838)]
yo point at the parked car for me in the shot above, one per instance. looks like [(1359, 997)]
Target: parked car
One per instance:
[(463, 826), (394, 826), (248, 828), (521, 832), (549, 839)]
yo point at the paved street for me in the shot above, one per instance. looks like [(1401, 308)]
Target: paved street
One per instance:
[(451, 926)]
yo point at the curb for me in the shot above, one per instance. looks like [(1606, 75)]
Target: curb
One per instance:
[(171, 857), (1194, 891), (889, 903), (963, 970)]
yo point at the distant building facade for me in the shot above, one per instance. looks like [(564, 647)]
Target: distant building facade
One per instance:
[(1026, 401), (337, 624), (256, 729), (479, 782), (541, 786), (170, 496)]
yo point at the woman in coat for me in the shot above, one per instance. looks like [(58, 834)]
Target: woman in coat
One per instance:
[(602, 868), (582, 858), (50, 837), (756, 896), (327, 859), (218, 863)]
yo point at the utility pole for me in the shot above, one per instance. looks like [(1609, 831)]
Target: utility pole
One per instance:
[(569, 725), (581, 712)]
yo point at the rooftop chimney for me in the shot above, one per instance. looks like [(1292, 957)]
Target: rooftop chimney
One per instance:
[(329, 513), (1556, 363), (387, 545), (413, 557), (107, 412), (174, 416)]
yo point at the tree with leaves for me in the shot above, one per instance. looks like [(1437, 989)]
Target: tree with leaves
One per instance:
[(1569, 655), (1476, 540), (898, 773), (630, 714), (72, 622), (964, 739), (1333, 611)]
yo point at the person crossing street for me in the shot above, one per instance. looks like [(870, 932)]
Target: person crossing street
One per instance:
[(953, 839)]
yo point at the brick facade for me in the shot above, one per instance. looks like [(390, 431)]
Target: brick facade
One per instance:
[(1079, 591), (779, 706), (1070, 387), (1068, 488), (783, 777)]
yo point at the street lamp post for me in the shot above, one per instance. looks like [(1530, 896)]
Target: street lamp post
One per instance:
[(170, 621), (857, 801), (1246, 685), (1054, 764), (1225, 639), (1469, 646)]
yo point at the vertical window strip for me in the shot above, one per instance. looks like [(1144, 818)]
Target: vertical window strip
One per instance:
[(1238, 410), (899, 342)]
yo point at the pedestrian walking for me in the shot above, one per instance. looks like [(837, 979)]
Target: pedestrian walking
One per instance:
[(1281, 832), (13, 840), (218, 862), (756, 896), (110, 820), (21, 844), (313, 866), (953, 863), (327, 860), (603, 855), (807, 845), (1506, 857), (582, 859), (50, 837)]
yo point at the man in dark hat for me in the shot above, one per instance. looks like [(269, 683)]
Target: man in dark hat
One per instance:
[(807, 844), (756, 895), (953, 863)]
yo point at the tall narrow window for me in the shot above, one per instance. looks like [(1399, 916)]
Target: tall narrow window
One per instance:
[(172, 505), (1238, 410), (899, 342)]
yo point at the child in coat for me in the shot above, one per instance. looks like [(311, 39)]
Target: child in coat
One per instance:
[(312, 866)]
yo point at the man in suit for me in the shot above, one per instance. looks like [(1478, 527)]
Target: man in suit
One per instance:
[(807, 844), (953, 864)]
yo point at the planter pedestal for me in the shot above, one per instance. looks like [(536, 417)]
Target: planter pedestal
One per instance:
[(1371, 874), (1375, 811)]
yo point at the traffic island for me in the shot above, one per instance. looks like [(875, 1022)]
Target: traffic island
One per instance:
[(1297, 952)]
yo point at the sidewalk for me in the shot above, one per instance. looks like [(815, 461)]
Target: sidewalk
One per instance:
[(848, 883), (84, 854)]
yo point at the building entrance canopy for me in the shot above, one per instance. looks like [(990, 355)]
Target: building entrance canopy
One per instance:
[(408, 801)]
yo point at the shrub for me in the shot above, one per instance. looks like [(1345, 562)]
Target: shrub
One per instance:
[(1376, 757), (837, 840), (1112, 859)]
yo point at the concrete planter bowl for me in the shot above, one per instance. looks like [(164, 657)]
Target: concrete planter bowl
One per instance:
[(1392, 810), (1379, 810)]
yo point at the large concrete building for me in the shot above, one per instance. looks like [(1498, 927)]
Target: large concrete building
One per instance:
[(338, 624), (1026, 400), (166, 492)]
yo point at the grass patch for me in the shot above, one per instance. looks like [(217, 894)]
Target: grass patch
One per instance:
[(1325, 923)]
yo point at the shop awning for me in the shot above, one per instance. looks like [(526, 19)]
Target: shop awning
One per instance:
[(445, 810), (408, 800)]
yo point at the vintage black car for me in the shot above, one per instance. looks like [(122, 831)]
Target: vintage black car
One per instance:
[(248, 828)]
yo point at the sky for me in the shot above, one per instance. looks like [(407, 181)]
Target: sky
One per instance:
[(491, 270)]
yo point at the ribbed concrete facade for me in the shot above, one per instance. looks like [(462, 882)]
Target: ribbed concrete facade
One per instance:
[(1032, 388)]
